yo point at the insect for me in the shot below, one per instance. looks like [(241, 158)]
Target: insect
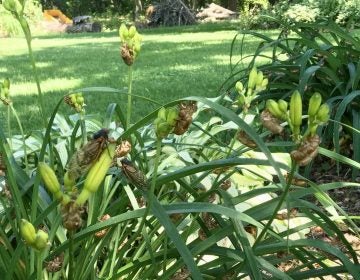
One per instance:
[(134, 175), (82, 160)]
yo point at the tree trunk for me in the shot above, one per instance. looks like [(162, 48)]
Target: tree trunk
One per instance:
[(232, 5), (137, 9)]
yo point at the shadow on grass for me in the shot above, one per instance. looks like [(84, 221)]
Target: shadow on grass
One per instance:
[(164, 71)]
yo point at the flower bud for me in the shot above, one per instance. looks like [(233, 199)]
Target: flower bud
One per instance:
[(259, 78), (171, 116), (265, 82), (296, 109), (162, 113), (241, 99), (97, 174), (50, 180), (132, 31), (123, 32), (283, 106), (27, 231), (6, 83), (239, 87), (323, 113), (41, 240), (314, 104), (273, 108), (252, 78)]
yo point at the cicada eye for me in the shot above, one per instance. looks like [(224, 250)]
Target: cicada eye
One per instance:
[(101, 133)]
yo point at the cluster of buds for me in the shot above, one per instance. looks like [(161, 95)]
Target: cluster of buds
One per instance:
[(38, 240), (276, 112), (5, 92), (175, 119), (131, 43), (318, 113), (165, 121), (76, 101), (256, 83)]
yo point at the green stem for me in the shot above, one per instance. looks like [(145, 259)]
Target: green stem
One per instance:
[(128, 113), (23, 137), (71, 255), (278, 206), (150, 194), (83, 127), (39, 267), (9, 127), (27, 33)]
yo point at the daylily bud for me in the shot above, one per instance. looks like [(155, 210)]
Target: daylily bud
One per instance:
[(50, 180), (265, 82), (6, 83), (296, 108), (323, 113), (27, 231), (162, 113), (123, 32), (41, 240), (273, 108), (132, 31), (239, 87), (241, 99), (283, 106), (97, 174), (171, 117), (259, 78), (314, 104), (252, 78)]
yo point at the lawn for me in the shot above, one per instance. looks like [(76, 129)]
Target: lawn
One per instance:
[(174, 63)]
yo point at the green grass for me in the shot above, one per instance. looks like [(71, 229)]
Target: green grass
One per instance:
[(174, 63)]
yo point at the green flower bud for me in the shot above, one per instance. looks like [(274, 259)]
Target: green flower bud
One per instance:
[(252, 78), (80, 100), (97, 174), (6, 83), (259, 78), (283, 106), (296, 109), (132, 31), (123, 32), (323, 113), (273, 108), (73, 98), (27, 231), (162, 113), (241, 99), (239, 87), (41, 240), (171, 116), (163, 129), (137, 47), (50, 180), (314, 104), (264, 83)]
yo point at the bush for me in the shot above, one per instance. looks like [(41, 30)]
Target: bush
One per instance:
[(341, 11)]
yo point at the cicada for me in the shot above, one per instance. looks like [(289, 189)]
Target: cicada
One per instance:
[(83, 159), (134, 175)]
